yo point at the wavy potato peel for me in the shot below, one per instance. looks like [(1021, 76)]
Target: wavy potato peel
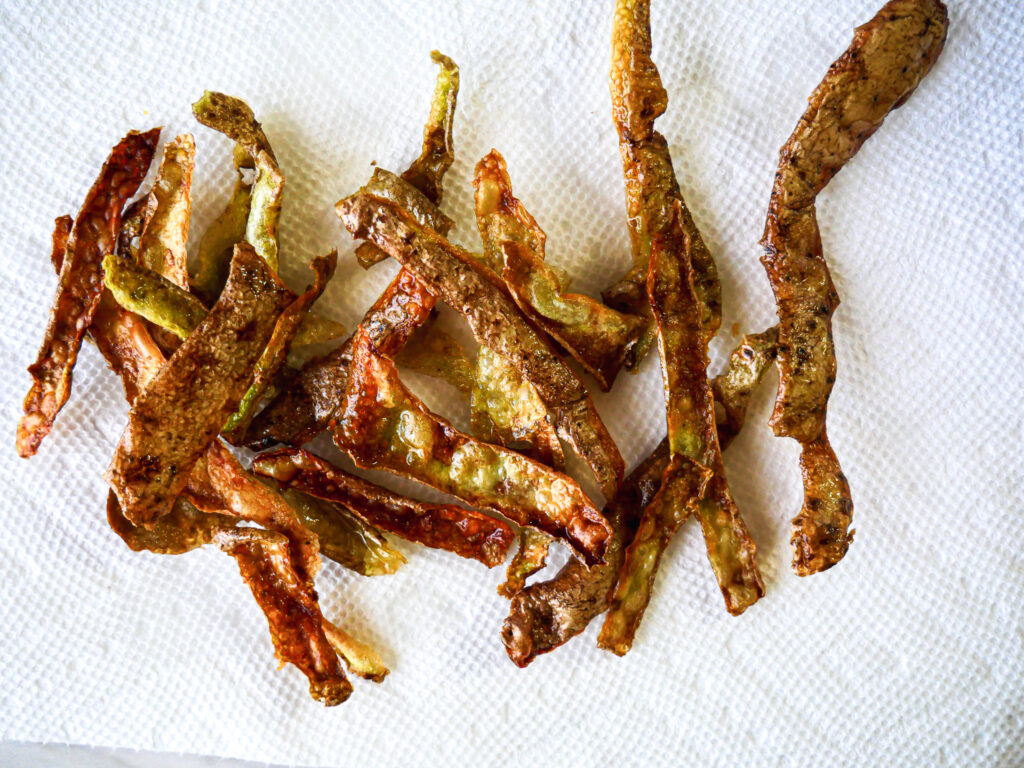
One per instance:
[(598, 337), (888, 58), (426, 174), (235, 119), (209, 374), (290, 604), (545, 615), (465, 532), (164, 235), (80, 287), (470, 288), (433, 352), (694, 481), (638, 99), (384, 426)]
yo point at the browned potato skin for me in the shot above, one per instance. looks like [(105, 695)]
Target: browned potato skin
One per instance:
[(208, 374), (373, 428), (80, 286), (475, 292), (887, 59), (545, 615), (290, 605), (638, 99), (304, 407), (465, 532)]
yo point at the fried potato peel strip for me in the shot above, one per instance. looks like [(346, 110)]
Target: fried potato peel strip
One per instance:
[(218, 242), (152, 296), (303, 409), (471, 289), (235, 119), (638, 99), (80, 286), (886, 61), (694, 481), (465, 532), (426, 174), (361, 659), (290, 604), (384, 426), (547, 614), (157, 299), (181, 530), (164, 236), (597, 336), (276, 351), (59, 241), (531, 557), (344, 537), (188, 401)]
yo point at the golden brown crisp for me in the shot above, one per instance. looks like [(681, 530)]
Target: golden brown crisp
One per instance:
[(80, 287), (384, 426), (546, 615), (638, 98), (878, 72), (187, 403), (168, 213), (290, 605), (595, 335), (181, 530), (465, 532), (475, 292)]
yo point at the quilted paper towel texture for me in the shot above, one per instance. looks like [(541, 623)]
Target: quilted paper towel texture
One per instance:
[(908, 653)]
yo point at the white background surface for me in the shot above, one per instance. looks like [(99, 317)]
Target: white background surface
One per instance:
[(910, 652)]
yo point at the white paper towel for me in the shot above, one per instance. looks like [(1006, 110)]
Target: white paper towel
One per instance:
[(910, 652)]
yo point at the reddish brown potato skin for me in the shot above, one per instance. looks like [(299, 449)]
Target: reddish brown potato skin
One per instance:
[(888, 58), (465, 532), (80, 287), (290, 605), (208, 376)]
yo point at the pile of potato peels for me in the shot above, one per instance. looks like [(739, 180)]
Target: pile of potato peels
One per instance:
[(203, 355)]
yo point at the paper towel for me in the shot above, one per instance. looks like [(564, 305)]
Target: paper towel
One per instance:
[(910, 652)]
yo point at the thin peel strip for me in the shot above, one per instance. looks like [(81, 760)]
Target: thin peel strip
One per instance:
[(164, 237), (886, 61), (464, 532), (210, 372), (290, 606), (384, 426), (638, 99), (80, 286)]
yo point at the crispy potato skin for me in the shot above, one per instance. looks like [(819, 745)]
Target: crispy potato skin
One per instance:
[(181, 530), (638, 99), (545, 615), (886, 61), (210, 372), (465, 532), (80, 286), (384, 426), (475, 292), (290, 605), (169, 211)]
